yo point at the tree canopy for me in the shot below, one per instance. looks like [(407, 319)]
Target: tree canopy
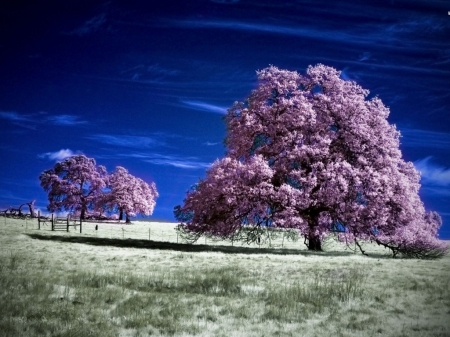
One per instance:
[(78, 185), (128, 194), (311, 152), (74, 184)]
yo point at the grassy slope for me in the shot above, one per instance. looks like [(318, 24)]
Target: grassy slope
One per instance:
[(60, 284)]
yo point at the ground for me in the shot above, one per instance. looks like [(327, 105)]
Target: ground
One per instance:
[(105, 284)]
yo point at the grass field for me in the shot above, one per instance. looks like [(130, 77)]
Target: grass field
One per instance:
[(100, 284)]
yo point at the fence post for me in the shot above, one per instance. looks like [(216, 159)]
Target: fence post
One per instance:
[(81, 224), (67, 222), (39, 219), (53, 223)]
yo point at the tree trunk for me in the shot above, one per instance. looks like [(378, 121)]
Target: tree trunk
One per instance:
[(83, 213), (20, 209), (31, 206), (127, 218), (314, 243), (120, 214)]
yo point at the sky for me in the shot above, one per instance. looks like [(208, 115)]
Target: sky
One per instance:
[(145, 84)]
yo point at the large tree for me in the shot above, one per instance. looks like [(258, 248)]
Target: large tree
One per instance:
[(74, 184), (310, 152), (128, 195)]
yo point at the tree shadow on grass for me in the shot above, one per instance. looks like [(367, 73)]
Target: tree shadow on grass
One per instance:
[(185, 247)]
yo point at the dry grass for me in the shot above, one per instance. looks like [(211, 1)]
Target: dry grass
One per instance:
[(67, 284)]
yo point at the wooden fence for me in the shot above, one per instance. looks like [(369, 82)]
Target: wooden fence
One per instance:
[(60, 223)]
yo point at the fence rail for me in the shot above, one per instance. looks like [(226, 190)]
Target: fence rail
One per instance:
[(152, 231), (59, 223)]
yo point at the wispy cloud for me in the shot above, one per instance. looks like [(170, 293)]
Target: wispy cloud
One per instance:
[(184, 163), (58, 155), (159, 70), (31, 120), (424, 138), (127, 140), (211, 143), (89, 26), (418, 24), (390, 66), (268, 28), (433, 174), (365, 56), (369, 36), (170, 160), (202, 106), (399, 35), (435, 191), (25, 121), (153, 73), (188, 82), (13, 196), (67, 120), (14, 116)]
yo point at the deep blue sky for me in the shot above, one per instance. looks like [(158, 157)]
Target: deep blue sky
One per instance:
[(145, 84)]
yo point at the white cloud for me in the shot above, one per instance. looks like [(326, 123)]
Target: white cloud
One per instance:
[(64, 120), (211, 143), (170, 160), (178, 162), (14, 116), (304, 31), (424, 138), (31, 120), (127, 141), (58, 155), (202, 106), (432, 174)]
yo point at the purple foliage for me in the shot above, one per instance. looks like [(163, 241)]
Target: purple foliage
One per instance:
[(74, 184), (308, 152), (128, 194), (78, 185)]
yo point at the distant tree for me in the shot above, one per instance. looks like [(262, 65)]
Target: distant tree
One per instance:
[(74, 184), (314, 154), (128, 195)]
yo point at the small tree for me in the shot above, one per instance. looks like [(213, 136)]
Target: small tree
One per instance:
[(128, 195), (74, 184), (310, 153)]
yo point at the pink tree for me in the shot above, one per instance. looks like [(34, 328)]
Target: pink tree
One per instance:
[(310, 153), (73, 184), (233, 194), (128, 195)]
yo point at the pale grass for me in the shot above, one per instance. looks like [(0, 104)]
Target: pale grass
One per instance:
[(93, 285)]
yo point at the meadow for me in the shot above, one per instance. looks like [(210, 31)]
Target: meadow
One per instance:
[(106, 282)]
